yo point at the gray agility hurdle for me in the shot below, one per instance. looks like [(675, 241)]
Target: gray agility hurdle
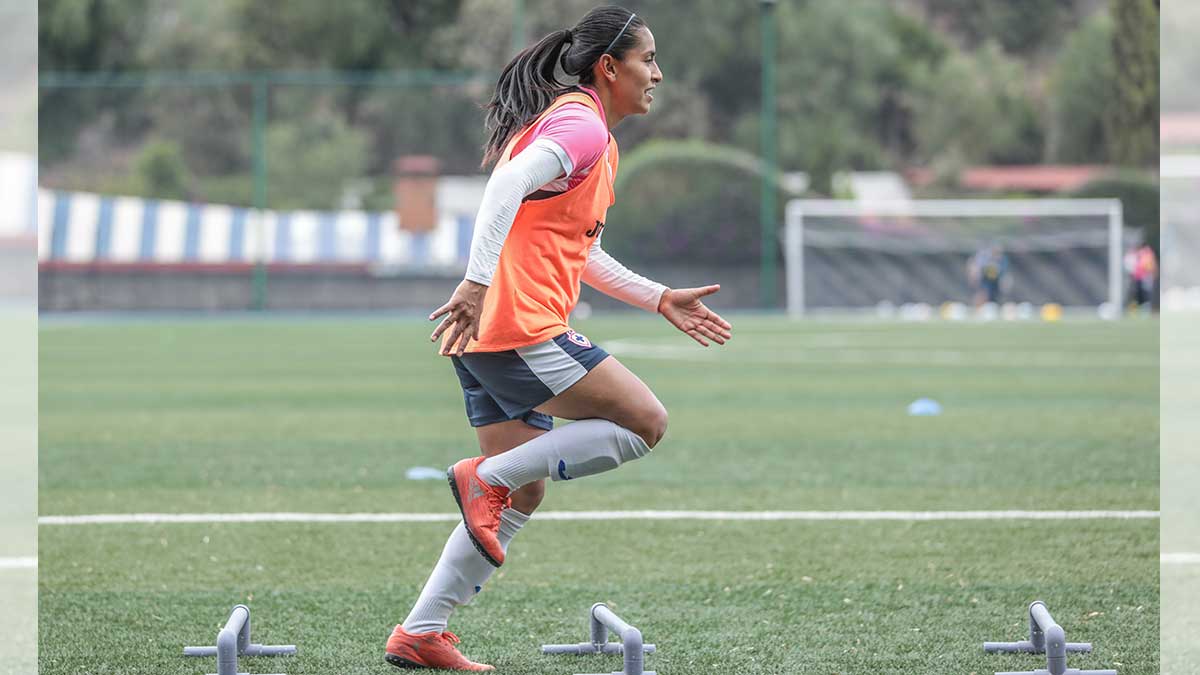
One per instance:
[(601, 620), (234, 641), (1049, 638)]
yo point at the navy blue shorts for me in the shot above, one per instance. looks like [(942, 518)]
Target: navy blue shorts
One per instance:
[(503, 386)]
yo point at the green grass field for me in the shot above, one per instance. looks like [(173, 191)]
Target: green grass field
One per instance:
[(326, 414)]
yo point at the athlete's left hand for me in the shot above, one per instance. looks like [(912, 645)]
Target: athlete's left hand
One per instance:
[(682, 307), (463, 310)]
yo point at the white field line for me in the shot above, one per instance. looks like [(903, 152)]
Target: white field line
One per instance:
[(1180, 559), (21, 563), (168, 518), (803, 353)]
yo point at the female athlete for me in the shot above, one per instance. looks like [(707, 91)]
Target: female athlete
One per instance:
[(537, 236)]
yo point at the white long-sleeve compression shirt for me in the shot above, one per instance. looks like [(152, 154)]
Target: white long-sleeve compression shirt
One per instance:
[(541, 163)]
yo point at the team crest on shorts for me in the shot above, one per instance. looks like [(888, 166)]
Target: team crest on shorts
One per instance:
[(579, 339)]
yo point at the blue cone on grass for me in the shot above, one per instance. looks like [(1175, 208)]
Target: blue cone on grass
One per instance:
[(924, 407)]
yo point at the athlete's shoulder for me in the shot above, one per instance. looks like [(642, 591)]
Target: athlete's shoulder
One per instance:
[(578, 118), (578, 131)]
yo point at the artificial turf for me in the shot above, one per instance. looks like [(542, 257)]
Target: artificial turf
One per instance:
[(325, 414)]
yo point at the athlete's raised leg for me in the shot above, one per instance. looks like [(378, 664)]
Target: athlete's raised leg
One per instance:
[(502, 437), (610, 391), (619, 420), (604, 401)]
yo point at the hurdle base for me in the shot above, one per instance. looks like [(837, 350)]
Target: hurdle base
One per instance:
[(1046, 637), (233, 641), (1068, 671), (1025, 646), (252, 650), (592, 648), (619, 672), (602, 621)]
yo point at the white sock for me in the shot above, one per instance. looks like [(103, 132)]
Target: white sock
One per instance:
[(578, 449), (458, 576)]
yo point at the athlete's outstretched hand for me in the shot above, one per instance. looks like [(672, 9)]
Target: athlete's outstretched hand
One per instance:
[(682, 307), (462, 311)]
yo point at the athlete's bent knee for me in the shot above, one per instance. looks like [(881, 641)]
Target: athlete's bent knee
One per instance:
[(527, 497), (653, 425)]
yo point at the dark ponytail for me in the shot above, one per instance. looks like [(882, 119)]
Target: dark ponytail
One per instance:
[(529, 83)]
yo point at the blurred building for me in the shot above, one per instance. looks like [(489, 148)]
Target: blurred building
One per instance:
[(1022, 178)]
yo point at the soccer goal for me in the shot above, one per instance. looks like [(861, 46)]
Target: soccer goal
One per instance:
[(848, 255)]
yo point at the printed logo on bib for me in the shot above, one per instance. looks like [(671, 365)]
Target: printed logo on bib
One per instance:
[(579, 339)]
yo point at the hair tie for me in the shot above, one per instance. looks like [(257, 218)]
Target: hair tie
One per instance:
[(619, 34), (566, 51)]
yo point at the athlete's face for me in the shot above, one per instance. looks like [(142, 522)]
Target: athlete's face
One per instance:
[(637, 75)]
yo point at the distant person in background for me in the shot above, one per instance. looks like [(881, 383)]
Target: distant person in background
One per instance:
[(986, 272), (1142, 266), (537, 236)]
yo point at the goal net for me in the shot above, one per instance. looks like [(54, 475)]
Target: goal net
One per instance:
[(845, 255)]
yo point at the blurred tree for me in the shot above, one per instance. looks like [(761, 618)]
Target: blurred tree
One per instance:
[(442, 121), (715, 60), (1081, 92), (864, 84), (88, 35), (705, 63), (161, 171), (97, 35), (311, 158), (974, 109), (1132, 120), (190, 36), (480, 36), (1021, 27), (212, 124), (343, 35), (357, 35), (847, 74)]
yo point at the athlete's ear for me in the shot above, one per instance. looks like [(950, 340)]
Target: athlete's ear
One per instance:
[(608, 65)]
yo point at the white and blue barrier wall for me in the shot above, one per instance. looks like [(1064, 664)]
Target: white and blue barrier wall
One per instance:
[(78, 227)]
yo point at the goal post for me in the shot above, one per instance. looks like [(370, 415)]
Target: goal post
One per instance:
[(842, 254)]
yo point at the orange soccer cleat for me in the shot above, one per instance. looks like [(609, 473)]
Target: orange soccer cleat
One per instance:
[(480, 505), (428, 650)]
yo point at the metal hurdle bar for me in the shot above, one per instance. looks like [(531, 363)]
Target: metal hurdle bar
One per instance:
[(1049, 638), (234, 641), (601, 619)]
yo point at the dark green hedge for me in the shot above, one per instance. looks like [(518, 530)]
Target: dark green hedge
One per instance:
[(688, 202)]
